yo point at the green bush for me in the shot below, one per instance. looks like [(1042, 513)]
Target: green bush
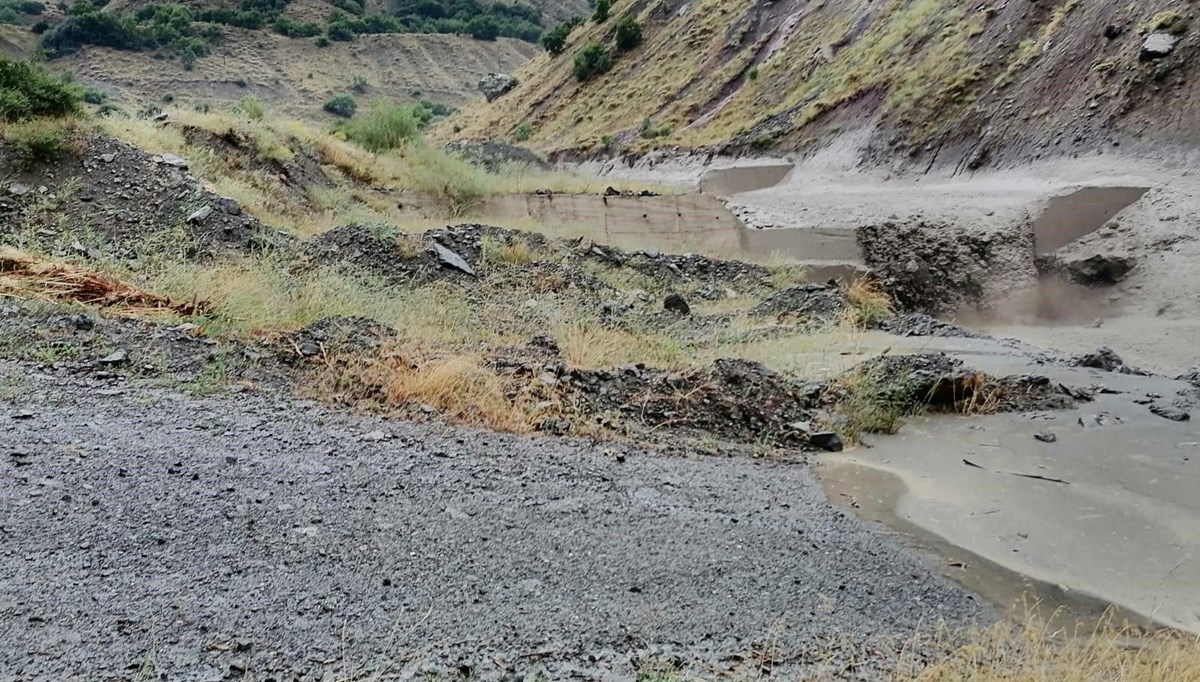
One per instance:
[(650, 131), (341, 105), (358, 84), (28, 91), (94, 96), (556, 41), (382, 127), (629, 34), (40, 141), (594, 59), (602, 9), (434, 109), (524, 132), (252, 107)]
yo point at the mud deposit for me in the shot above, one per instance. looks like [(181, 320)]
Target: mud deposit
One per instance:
[(251, 536)]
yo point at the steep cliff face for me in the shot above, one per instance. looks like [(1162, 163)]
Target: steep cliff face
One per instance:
[(935, 81)]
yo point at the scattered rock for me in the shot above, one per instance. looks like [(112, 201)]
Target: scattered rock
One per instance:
[(18, 190), (174, 161), (452, 260), (1168, 412), (1157, 46), (920, 324), (1045, 437), (1104, 358), (816, 301), (496, 85), (1100, 269), (677, 304)]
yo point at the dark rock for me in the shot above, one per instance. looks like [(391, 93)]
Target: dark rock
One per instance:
[(309, 348), (1192, 376), (920, 324), (677, 304), (1157, 46), (1113, 31), (1100, 269), (82, 322), (826, 440), (544, 341), (1104, 358), (805, 301), (612, 192), (1045, 437), (1168, 412), (452, 260)]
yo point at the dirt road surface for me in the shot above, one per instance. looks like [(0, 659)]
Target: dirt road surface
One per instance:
[(142, 529)]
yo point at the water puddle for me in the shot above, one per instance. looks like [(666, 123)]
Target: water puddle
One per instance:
[(1080, 213), (725, 182)]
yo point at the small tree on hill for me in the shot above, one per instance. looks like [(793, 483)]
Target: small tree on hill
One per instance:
[(341, 105), (594, 59), (629, 34), (601, 14)]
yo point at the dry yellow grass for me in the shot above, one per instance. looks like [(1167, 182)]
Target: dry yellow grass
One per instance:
[(869, 302)]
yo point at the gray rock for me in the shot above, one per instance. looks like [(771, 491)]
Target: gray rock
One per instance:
[(1158, 45), (1168, 412), (200, 215), (174, 161), (677, 304), (118, 357), (18, 190), (108, 158), (496, 85), (452, 260), (826, 440), (1045, 437)]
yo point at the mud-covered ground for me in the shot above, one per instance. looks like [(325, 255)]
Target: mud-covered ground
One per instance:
[(146, 531)]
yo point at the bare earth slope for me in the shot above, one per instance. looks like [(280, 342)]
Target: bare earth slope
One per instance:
[(296, 77), (946, 81)]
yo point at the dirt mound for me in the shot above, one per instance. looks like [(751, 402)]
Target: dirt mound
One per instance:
[(920, 324), (132, 203), (936, 267), (494, 154), (824, 301)]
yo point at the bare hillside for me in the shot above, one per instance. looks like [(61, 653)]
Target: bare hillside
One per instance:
[(296, 77), (945, 81)]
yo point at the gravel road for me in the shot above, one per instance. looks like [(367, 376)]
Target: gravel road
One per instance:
[(147, 533)]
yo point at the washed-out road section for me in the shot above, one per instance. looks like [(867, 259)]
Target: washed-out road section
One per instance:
[(251, 534)]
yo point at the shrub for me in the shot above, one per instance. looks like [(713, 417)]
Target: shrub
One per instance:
[(483, 28), (341, 105), (753, 74), (40, 141), (382, 127), (322, 41), (435, 108), (252, 107), (340, 29), (629, 34), (524, 131), (28, 91), (94, 96), (555, 41), (651, 131), (358, 84), (602, 10), (594, 59)]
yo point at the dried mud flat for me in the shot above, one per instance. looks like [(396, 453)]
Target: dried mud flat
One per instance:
[(147, 532)]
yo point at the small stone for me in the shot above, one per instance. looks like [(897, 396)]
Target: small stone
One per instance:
[(200, 215), (23, 414), (452, 260), (117, 357), (1113, 31), (1157, 46), (18, 190), (82, 322), (108, 158), (175, 161), (375, 437), (1045, 437), (310, 349), (677, 304), (230, 459)]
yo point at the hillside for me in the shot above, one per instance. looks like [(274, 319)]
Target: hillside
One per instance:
[(946, 81), (295, 77)]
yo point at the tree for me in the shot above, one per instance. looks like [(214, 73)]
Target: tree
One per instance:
[(483, 28), (601, 14), (629, 34), (594, 59)]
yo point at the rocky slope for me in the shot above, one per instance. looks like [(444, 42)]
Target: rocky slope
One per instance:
[(949, 82)]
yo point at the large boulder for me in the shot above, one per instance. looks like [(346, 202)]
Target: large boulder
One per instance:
[(1100, 269), (496, 85), (1158, 45)]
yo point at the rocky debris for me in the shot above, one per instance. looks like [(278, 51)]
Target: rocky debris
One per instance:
[(1045, 437), (943, 383), (920, 324), (334, 335), (823, 301), (611, 191), (1158, 46), (493, 86), (115, 358), (936, 267), (495, 154), (677, 304), (1170, 412), (1104, 359), (1192, 376), (1100, 269), (200, 215), (139, 196)]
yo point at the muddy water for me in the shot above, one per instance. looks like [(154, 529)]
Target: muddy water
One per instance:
[(725, 182), (1079, 213)]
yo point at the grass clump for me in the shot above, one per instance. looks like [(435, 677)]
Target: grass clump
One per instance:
[(28, 91), (341, 105), (1169, 22), (869, 406), (252, 107), (870, 304), (39, 141), (382, 127)]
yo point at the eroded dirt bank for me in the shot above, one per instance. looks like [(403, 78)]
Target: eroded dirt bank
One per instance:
[(254, 536)]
